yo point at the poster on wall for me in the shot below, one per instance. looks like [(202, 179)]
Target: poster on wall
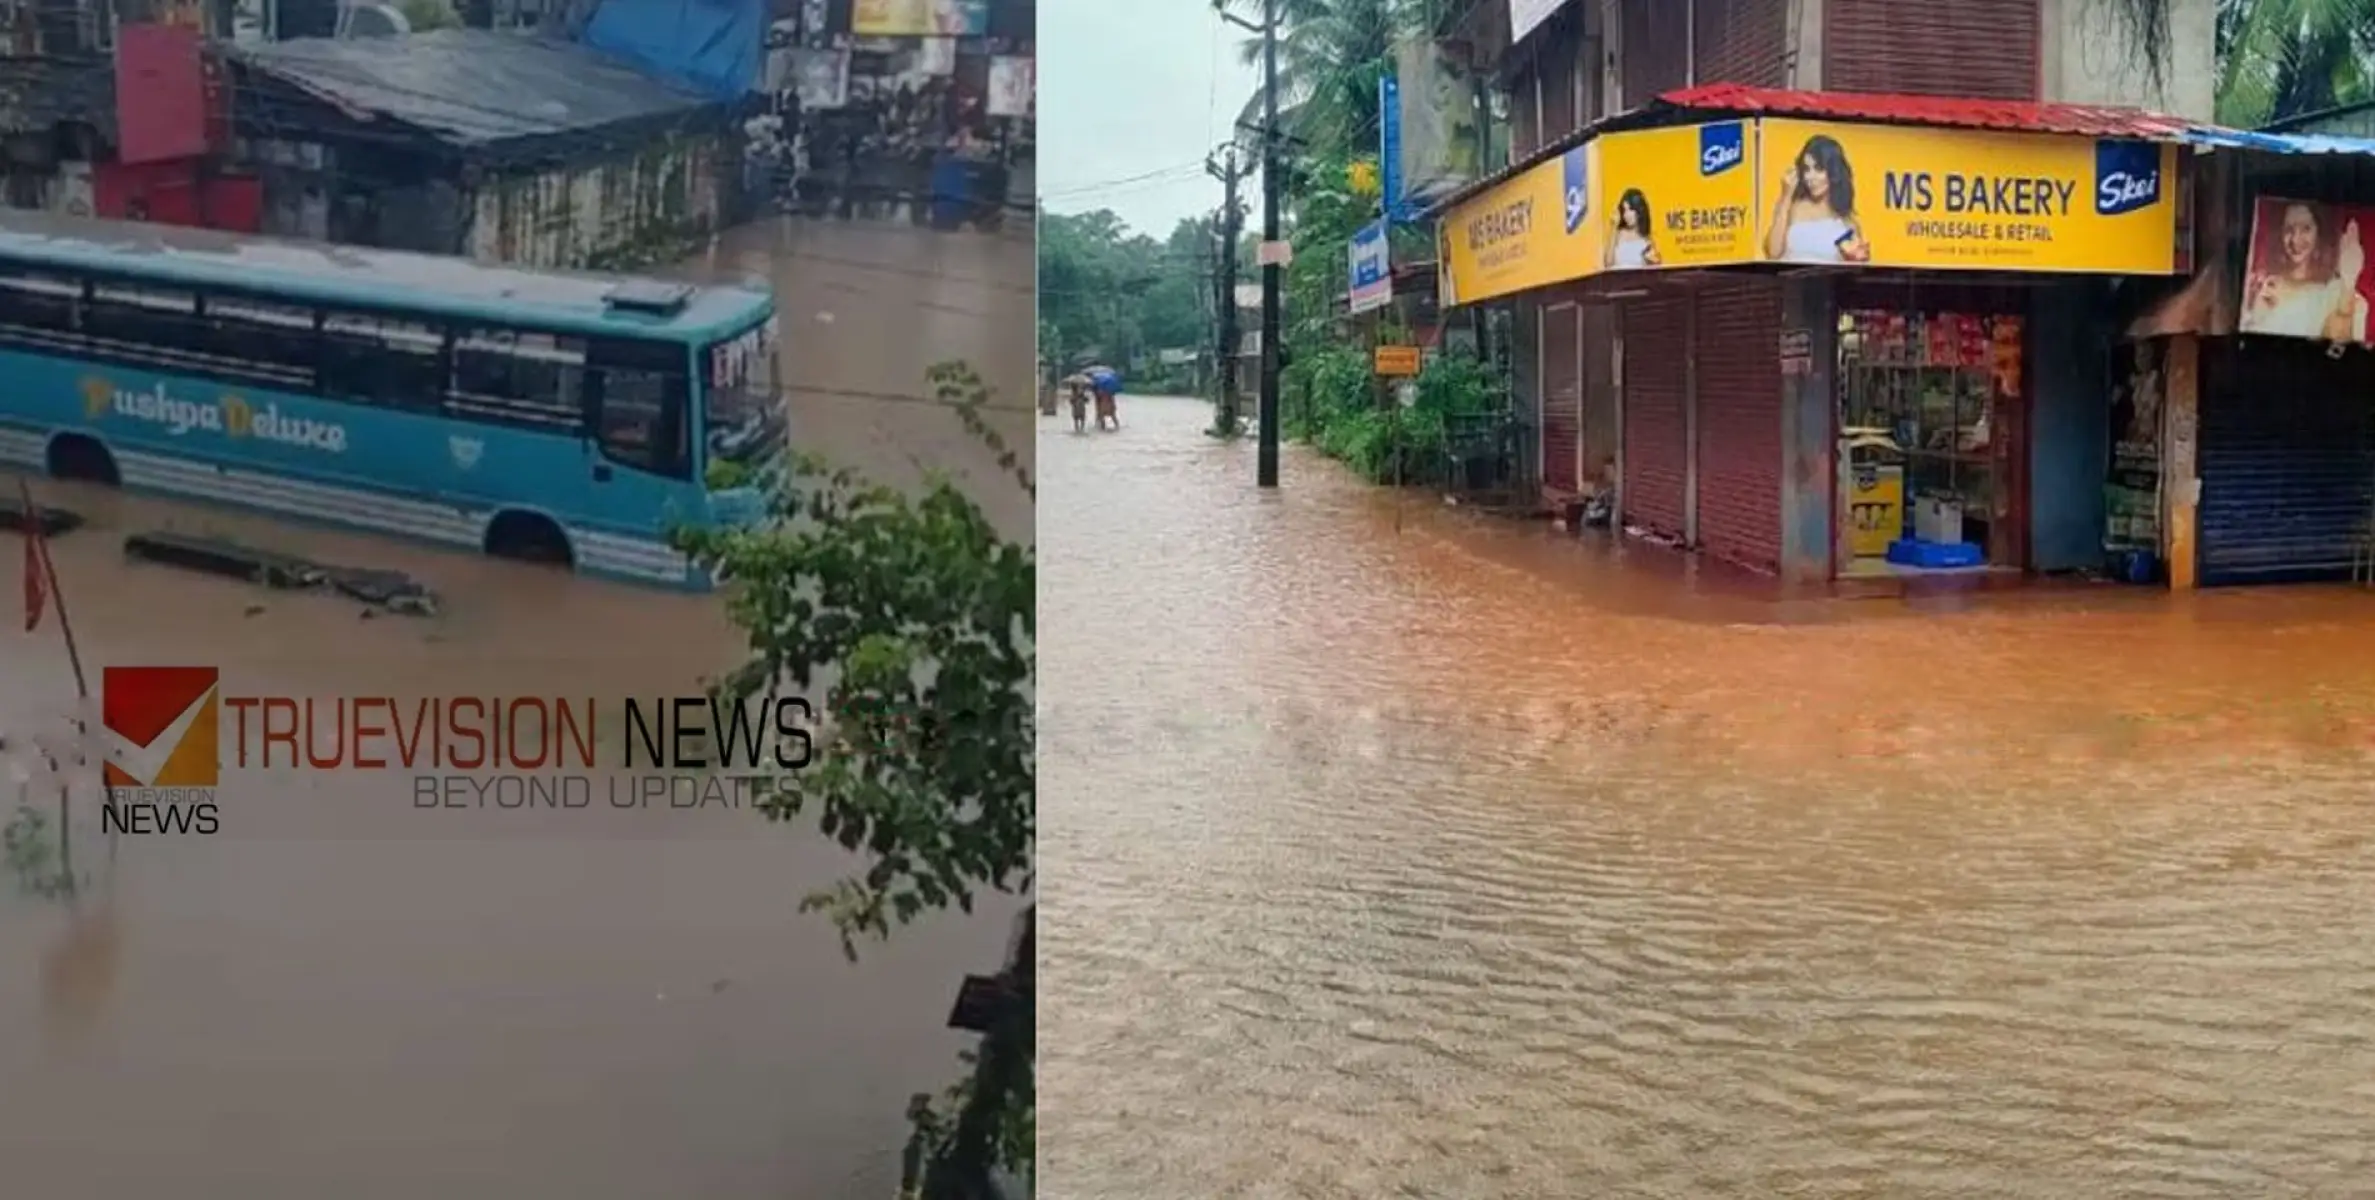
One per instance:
[(820, 77), (2132, 490), (1679, 197), (1896, 196), (1011, 87), (2305, 274), (919, 18)]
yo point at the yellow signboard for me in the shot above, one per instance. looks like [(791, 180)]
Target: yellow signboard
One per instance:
[(1397, 360), (892, 18), (1895, 196), (1534, 229), (1685, 196), (1875, 508)]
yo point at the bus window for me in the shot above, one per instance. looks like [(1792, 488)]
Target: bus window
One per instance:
[(274, 341), (517, 375), (642, 389), (138, 321), (38, 308), (382, 360)]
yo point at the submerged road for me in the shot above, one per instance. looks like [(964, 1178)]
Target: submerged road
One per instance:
[(344, 996), (1397, 852)]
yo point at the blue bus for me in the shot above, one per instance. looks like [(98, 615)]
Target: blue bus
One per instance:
[(545, 416)]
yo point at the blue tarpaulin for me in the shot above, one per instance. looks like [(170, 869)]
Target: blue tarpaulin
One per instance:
[(715, 46)]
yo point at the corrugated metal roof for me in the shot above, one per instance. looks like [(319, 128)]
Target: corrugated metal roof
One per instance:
[(1958, 112), (474, 87), (2277, 143)]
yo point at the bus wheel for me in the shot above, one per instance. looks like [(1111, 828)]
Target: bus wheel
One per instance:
[(83, 459), (526, 537)]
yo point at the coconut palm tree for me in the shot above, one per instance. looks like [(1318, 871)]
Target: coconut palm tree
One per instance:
[(1331, 53), (2284, 58)]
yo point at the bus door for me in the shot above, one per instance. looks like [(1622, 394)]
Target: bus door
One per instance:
[(639, 459)]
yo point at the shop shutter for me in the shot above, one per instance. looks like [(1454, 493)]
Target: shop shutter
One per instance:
[(2287, 459), (1655, 361), (1987, 49), (1741, 41), (1599, 392), (1521, 318), (1562, 397), (1739, 333)]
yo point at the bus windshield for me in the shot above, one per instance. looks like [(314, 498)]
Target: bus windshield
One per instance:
[(744, 410)]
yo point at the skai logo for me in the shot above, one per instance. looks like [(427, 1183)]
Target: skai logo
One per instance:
[(2127, 177), (1721, 148), (1577, 187)]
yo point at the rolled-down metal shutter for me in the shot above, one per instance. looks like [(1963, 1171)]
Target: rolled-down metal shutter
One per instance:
[(1655, 329), (2287, 459), (1738, 334), (1562, 397), (1987, 49)]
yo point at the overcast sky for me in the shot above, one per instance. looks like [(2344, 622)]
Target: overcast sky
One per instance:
[(1132, 94)]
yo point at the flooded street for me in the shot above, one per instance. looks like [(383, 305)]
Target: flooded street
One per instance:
[(341, 995), (1395, 851)]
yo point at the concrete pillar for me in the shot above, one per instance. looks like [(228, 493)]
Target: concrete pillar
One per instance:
[(2181, 487), (1690, 421), (1809, 495)]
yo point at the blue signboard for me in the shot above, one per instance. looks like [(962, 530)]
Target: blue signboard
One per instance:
[(1389, 149), (1372, 285)]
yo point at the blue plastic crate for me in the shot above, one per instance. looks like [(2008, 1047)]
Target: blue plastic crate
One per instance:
[(1913, 552)]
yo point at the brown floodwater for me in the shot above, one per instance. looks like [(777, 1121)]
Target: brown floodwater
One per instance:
[(1399, 851), (341, 995)]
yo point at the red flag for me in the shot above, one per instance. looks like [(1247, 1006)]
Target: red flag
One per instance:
[(36, 596)]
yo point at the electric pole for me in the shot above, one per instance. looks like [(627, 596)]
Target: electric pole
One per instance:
[(1266, 448), (1232, 224)]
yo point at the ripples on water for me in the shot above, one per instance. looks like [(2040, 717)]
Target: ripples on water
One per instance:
[(1398, 853)]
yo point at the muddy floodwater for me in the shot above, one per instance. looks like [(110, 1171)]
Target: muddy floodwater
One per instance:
[(1394, 851), (342, 995)]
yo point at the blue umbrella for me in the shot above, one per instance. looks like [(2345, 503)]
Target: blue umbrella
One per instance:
[(1106, 378)]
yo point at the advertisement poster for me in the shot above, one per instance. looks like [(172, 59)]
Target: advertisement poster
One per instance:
[(2305, 274), (919, 18), (1011, 86), (2132, 489), (1679, 197), (1531, 230), (1372, 285), (1932, 198)]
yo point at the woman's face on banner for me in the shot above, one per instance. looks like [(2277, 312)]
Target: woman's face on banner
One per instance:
[(1628, 216), (1813, 178), (2299, 234)]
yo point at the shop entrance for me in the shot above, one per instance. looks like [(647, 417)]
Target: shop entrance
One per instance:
[(1931, 447)]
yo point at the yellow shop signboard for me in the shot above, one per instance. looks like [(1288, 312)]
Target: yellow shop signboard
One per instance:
[(1533, 229), (1679, 197), (1894, 196)]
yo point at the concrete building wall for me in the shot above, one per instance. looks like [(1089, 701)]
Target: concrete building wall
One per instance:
[(623, 211), (2089, 57)]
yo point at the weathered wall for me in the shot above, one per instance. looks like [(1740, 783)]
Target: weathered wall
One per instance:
[(2089, 59), (622, 212)]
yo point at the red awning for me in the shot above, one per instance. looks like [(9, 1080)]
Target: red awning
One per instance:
[(1964, 112)]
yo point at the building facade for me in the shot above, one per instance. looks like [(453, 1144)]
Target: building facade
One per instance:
[(560, 157), (1798, 407)]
